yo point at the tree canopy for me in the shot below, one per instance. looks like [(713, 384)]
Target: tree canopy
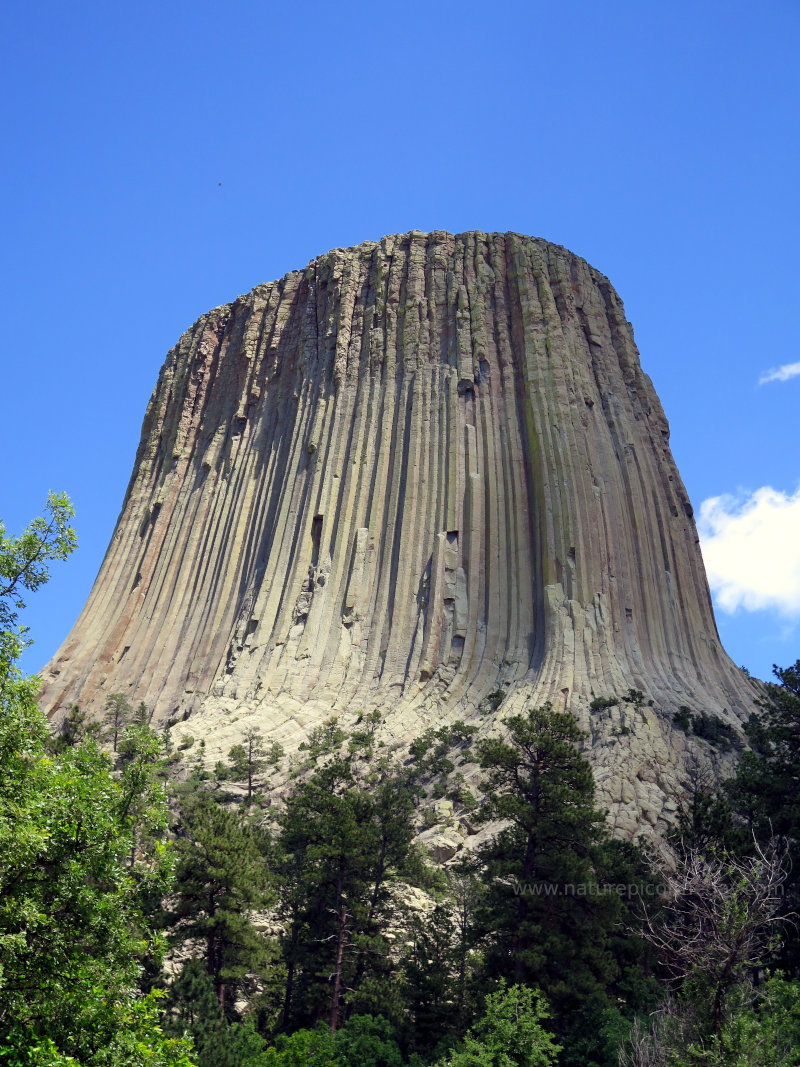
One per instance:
[(73, 939)]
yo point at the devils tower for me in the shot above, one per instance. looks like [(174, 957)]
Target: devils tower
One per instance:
[(426, 475)]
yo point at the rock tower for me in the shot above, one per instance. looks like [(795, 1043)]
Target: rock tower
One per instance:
[(428, 475)]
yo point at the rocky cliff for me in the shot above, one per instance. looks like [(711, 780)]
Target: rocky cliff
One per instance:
[(428, 475)]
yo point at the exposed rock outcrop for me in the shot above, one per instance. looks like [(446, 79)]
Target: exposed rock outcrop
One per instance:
[(426, 474)]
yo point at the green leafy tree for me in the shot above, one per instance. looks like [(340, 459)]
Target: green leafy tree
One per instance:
[(510, 1033), (24, 564), (304, 1048), (766, 1032), (73, 936), (367, 1041), (364, 1041)]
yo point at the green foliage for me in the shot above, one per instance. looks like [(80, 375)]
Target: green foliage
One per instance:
[(540, 870), (237, 762), (73, 934), (341, 850), (118, 713), (430, 750), (194, 1007), (247, 760), (707, 727), (367, 1041), (433, 992), (682, 718), (767, 1032), (222, 878), (364, 1041), (73, 938), (325, 740), (74, 726), (304, 1048), (510, 1033), (24, 561), (596, 1030), (362, 741), (275, 754), (601, 703), (441, 969), (761, 1029), (635, 697), (713, 729), (763, 794), (493, 700)]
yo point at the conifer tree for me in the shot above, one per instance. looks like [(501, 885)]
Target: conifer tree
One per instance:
[(193, 1007), (222, 880), (73, 728), (327, 835), (248, 760), (118, 714), (764, 793), (430, 968), (546, 919), (341, 849)]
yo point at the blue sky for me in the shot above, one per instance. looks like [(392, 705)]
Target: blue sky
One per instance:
[(160, 159)]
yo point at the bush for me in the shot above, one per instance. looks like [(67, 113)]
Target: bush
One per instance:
[(510, 1034), (601, 703)]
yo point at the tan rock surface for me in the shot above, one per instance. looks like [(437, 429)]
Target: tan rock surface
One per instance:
[(413, 474)]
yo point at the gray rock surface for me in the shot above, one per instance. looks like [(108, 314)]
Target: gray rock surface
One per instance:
[(426, 474)]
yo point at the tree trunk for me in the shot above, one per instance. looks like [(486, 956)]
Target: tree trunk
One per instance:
[(337, 976), (528, 870), (361, 964), (287, 996)]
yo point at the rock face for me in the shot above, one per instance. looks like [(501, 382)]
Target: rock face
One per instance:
[(427, 475)]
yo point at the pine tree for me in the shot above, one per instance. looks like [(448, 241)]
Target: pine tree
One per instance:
[(547, 921), (764, 793), (326, 836), (118, 714), (222, 880), (248, 760), (193, 1008), (430, 968), (342, 848)]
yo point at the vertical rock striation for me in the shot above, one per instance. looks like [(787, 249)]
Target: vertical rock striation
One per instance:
[(416, 473)]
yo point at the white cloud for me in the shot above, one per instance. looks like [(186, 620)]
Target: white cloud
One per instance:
[(751, 548), (780, 374)]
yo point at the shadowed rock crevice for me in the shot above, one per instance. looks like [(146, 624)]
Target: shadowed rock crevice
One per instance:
[(417, 472)]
